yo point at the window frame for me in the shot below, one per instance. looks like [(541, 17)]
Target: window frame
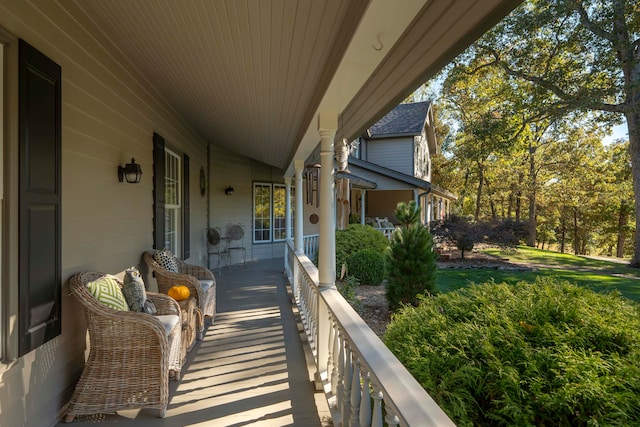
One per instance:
[(254, 229), (173, 176), (273, 187)]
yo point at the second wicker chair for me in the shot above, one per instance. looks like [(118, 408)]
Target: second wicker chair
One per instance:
[(200, 281)]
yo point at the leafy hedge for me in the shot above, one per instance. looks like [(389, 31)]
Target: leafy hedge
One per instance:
[(367, 265), (533, 354), (355, 238)]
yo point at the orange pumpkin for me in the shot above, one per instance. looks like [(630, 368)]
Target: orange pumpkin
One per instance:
[(179, 292)]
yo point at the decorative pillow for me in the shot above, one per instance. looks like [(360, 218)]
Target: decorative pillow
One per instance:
[(133, 289), (107, 290), (166, 260)]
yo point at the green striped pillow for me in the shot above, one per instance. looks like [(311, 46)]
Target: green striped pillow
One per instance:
[(107, 290)]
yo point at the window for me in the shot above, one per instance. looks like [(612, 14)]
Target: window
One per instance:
[(269, 212), (172, 207), (261, 212), (170, 199)]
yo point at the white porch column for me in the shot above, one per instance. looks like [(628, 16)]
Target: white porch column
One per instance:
[(287, 207), (362, 203), (327, 125), (299, 226)]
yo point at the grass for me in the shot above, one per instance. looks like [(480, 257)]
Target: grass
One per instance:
[(599, 275)]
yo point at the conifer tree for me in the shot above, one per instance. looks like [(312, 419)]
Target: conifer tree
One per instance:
[(411, 258)]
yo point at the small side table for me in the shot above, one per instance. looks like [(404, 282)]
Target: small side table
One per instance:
[(189, 317)]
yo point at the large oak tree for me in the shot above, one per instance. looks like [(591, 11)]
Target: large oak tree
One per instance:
[(581, 56)]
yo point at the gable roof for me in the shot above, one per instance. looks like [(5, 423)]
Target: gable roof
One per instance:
[(404, 119), (390, 173)]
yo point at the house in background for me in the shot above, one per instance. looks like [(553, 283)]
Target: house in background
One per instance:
[(392, 164)]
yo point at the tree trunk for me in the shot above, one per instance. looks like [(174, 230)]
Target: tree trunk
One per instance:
[(519, 197), (576, 240), (633, 123), (563, 233), (622, 221), (479, 194), (531, 238)]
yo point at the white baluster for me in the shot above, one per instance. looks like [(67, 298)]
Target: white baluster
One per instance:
[(314, 319), (336, 351), (348, 378), (340, 387), (390, 418), (356, 393), (365, 403), (330, 347), (376, 420)]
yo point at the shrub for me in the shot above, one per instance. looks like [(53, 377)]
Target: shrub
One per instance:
[(347, 289), (464, 233), (544, 353), (367, 265), (355, 238), (411, 259)]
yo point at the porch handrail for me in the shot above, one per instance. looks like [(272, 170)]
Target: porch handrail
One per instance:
[(353, 365), (310, 245)]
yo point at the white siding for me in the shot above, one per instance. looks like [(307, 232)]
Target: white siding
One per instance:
[(109, 114), (396, 154)]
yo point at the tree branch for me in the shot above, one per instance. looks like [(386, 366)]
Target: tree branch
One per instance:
[(590, 25)]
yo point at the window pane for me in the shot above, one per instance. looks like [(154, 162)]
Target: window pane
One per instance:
[(172, 179), (173, 186), (262, 212), (171, 230), (279, 212)]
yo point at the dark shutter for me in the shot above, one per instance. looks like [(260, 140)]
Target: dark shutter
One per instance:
[(158, 191), (185, 208), (40, 199)]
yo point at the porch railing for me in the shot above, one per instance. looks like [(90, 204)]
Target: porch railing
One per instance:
[(310, 245), (366, 385), (387, 231)]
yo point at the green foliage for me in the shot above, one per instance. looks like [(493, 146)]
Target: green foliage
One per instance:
[(368, 266), (355, 238), (411, 259), (532, 354), (347, 289), (464, 234)]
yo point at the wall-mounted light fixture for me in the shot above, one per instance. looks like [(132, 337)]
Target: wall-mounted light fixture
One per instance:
[(131, 172), (229, 191)]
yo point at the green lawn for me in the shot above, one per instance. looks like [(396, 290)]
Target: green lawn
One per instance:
[(596, 274)]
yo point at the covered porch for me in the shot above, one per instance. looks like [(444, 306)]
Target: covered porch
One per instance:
[(201, 96), (250, 368)]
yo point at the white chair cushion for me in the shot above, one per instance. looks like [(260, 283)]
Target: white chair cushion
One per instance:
[(169, 321), (206, 284)]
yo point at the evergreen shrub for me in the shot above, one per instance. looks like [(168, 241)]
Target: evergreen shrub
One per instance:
[(355, 238), (367, 265), (411, 259), (547, 353)]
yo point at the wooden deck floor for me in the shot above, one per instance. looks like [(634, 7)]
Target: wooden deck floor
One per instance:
[(249, 370)]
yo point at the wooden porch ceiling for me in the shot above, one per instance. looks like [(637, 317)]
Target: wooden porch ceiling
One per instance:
[(251, 75)]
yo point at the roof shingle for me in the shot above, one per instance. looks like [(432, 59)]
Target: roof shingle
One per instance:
[(403, 119)]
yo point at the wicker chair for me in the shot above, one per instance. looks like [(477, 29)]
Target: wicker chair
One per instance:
[(200, 281), (131, 356)]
